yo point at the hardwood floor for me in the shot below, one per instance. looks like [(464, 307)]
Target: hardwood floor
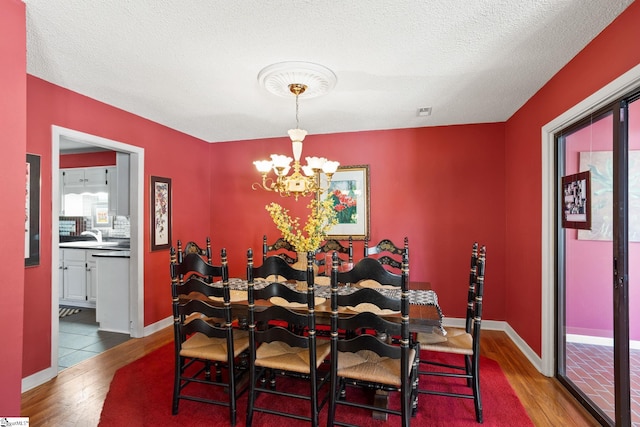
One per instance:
[(75, 397)]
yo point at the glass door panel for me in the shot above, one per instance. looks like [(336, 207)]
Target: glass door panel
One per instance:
[(588, 272)]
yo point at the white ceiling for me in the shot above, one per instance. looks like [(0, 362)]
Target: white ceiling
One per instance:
[(192, 65)]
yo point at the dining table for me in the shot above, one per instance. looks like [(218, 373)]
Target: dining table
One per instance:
[(425, 314)]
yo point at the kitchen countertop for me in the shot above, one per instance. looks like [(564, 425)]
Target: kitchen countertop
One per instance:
[(113, 254), (108, 245)]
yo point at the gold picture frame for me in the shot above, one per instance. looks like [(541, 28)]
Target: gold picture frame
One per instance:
[(350, 191)]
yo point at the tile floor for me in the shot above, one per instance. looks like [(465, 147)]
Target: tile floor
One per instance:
[(590, 367), (80, 338)]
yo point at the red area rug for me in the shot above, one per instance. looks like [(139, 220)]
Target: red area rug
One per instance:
[(141, 393)]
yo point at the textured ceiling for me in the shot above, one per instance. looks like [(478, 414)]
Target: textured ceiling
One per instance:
[(192, 65)]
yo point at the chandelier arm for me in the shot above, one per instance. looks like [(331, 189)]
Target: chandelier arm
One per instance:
[(267, 184)]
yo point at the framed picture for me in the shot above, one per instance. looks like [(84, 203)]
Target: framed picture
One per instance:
[(32, 212), (349, 189), (576, 198), (160, 213), (600, 164)]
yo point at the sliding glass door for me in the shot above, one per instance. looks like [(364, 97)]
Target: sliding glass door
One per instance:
[(599, 264)]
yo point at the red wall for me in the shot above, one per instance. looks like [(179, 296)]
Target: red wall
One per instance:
[(168, 153), (83, 160), (607, 57), (13, 124), (442, 187)]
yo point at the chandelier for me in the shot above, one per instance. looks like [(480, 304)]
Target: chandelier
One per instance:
[(305, 180)]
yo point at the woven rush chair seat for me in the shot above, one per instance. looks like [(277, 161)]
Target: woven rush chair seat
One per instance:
[(201, 346), (372, 308), (366, 365), (292, 304), (369, 283), (280, 355)]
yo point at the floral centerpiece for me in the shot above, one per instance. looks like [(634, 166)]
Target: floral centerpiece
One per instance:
[(321, 218)]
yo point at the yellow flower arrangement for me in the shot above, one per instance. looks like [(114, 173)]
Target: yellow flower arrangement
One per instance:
[(321, 218)]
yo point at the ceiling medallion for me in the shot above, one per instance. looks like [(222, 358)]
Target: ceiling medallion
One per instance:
[(277, 78)]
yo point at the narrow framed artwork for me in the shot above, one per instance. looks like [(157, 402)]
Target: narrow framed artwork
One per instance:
[(32, 212), (576, 201), (349, 190), (160, 213)]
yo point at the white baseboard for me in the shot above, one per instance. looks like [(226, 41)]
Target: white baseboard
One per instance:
[(38, 378), (159, 325), (497, 325)]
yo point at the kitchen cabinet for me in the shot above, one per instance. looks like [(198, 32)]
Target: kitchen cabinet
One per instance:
[(92, 280), (119, 186), (61, 275), (78, 279), (79, 180), (112, 309)]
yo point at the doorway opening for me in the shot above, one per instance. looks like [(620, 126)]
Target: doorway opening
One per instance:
[(136, 220)]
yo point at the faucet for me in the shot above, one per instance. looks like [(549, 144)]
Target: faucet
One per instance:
[(97, 234)]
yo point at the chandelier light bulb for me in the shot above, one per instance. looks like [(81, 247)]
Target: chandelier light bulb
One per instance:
[(263, 166), (330, 167), (280, 161)]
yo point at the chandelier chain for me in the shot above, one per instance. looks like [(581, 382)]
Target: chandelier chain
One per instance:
[(297, 119)]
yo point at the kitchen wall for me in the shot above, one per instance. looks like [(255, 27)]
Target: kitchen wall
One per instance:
[(119, 226)]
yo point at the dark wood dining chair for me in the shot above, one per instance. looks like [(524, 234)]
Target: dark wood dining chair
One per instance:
[(285, 348), (387, 252), (192, 247), (201, 342), (281, 248), (367, 360), (345, 255), (370, 272), (464, 342)]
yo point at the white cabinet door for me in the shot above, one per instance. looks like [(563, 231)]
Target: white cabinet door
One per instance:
[(112, 177), (95, 178), (122, 165), (75, 281), (61, 275), (91, 277), (75, 275), (72, 180)]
